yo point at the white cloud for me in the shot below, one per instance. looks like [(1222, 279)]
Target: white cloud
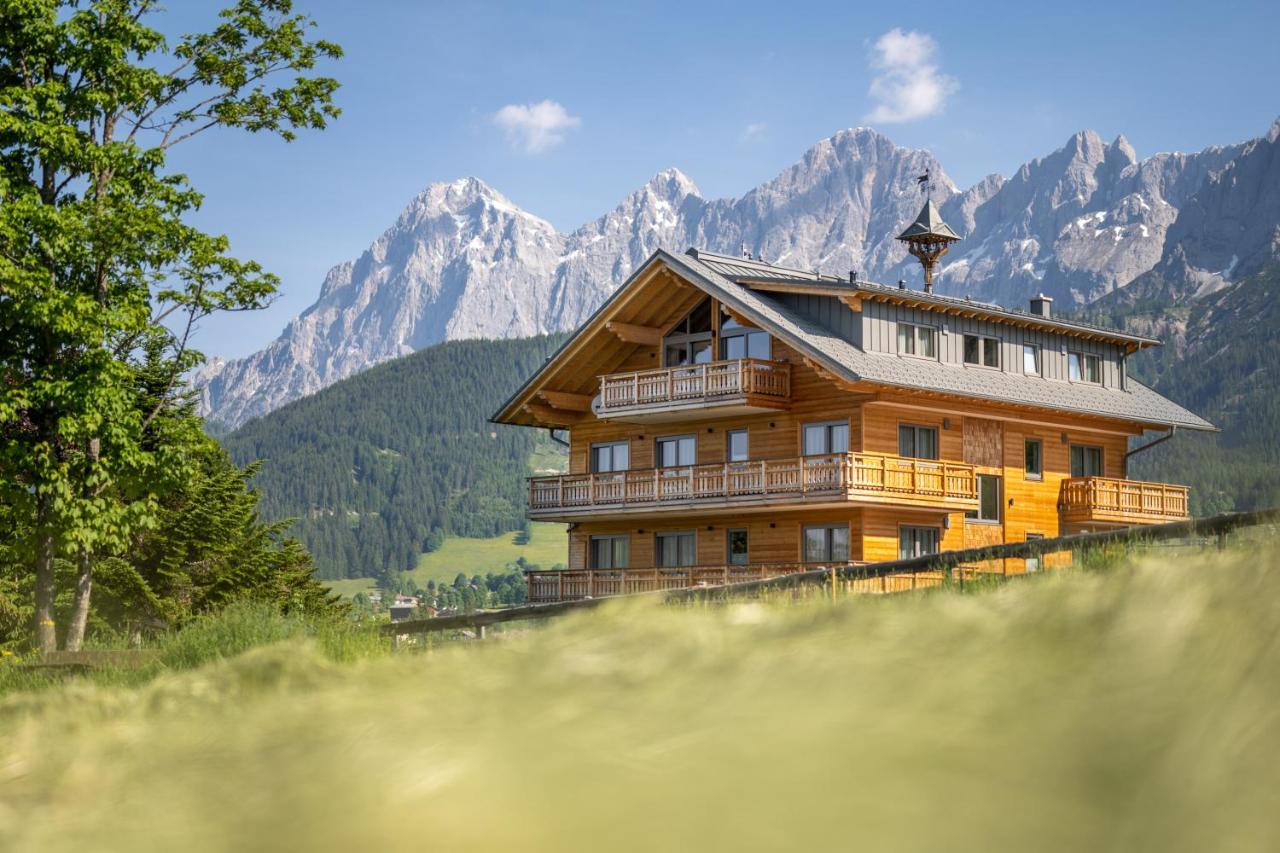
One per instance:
[(908, 84), (754, 132), (534, 128)]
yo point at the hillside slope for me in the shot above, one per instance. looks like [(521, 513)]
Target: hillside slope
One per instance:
[(381, 467)]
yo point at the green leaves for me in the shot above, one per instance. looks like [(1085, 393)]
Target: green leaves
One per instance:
[(102, 277)]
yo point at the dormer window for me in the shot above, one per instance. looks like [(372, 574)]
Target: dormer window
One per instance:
[(917, 340), (981, 350), (1031, 359), (1082, 367)]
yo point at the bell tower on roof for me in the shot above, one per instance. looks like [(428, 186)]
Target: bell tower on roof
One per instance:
[(928, 238)]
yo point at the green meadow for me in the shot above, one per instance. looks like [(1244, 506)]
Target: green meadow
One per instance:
[(1122, 709), (547, 546)]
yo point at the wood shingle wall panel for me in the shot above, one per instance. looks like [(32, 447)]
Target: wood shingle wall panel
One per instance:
[(983, 443)]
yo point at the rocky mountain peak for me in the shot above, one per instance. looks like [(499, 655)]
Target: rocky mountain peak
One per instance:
[(464, 261)]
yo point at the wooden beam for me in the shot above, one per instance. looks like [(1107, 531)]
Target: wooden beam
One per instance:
[(555, 417), (853, 302), (738, 317), (632, 334), (566, 400)]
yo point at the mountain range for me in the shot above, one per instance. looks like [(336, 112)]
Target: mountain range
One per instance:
[(1089, 224)]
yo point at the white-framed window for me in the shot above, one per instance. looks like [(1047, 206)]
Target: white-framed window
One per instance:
[(610, 552), (677, 451), (821, 439), (917, 541), (826, 543), (1033, 458), (988, 499), (1031, 359), (1033, 563), (917, 340), (737, 447), (676, 549), (736, 546), (610, 456), (979, 349), (1086, 460), (1083, 367), (917, 442)]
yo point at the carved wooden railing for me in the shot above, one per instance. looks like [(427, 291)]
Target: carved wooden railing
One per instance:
[(567, 585), (694, 382), (1110, 499), (571, 584), (840, 474)]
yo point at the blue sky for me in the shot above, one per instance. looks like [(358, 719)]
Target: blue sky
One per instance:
[(730, 93)]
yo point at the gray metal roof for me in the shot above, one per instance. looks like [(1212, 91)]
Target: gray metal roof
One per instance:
[(929, 224), (736, 270), (1136, 402)]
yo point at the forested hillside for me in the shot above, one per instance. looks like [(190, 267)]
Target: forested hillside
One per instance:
[(381, 467), (1222, 360)]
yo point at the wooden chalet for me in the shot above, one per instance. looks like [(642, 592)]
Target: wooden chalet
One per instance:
[(731, 419)]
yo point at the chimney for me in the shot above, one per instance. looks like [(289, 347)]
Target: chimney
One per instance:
[(902, 284), (1041, 305), (853, 276)]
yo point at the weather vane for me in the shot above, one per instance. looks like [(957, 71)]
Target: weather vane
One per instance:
[(925, 186)]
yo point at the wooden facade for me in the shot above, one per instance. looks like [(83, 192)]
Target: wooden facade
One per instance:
[(776, 493)]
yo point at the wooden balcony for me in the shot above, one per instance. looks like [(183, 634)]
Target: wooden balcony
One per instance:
[(737, 387), (832, 479), (1106, 501), (570, 585)]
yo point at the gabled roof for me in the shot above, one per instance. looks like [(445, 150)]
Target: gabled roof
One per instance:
[(1135, 403), (929, 224)]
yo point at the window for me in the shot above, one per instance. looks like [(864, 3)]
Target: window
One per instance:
[(614, 456), (610, 552), (1033, 459), (917, 542), (1086, 461), (676, 549), (737, 446), (1031, 359), (981, 350), (1082, 367), (677, 452), (988, 499), (918, 340), (689, 341), (826, 543), (821, 439), (1033, 563), (917, 442), (736, 547), (739, 341)]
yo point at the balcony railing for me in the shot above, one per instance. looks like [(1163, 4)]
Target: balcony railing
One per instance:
[(570, 585), (718, 380), (1113, 501), (566, 585), (888, 479)]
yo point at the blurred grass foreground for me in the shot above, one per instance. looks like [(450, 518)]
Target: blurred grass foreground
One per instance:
[(1133, 709)]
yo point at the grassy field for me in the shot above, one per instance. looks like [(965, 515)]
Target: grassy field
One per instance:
[(1129, 710), (547, 546)]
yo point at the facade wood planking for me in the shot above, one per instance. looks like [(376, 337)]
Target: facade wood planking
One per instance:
[(904, 465)]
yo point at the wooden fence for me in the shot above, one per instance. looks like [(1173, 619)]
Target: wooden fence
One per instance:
[(1214, 526)]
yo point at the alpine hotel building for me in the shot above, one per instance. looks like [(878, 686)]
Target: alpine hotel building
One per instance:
[(732, 419)]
